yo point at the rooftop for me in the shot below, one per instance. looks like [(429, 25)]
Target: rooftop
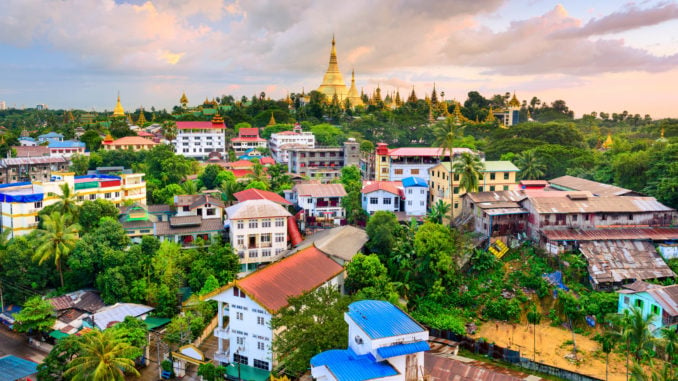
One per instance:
[(117, 313), (31, 151), (320, 190), (597, 204), (66, 144), (598, 189), (425, 151), (414, 182), (655, 234), (342, 242), (346, 365), (490, 166), (257, 194), (199, 125), (163, 228), (393, 187), (667, 297), (380, 319), (131, 140), (14, 368), (256, 209)]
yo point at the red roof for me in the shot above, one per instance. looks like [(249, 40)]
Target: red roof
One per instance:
[(303, 271), (257, 139), (131, 141), (144, 133), (394, 187), (424, 151), (248, 131), (266, 160), (657, 234), (239, 173), (257, 194), (199, 125), (241, 164), (293, 231)]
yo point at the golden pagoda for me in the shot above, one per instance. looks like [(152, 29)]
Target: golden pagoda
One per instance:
[(514, 102), (398, 101), (353, 95), (142, 118), (333, 82), (118, 110), (183, 100), (413, 97), (607, 144), (490, 116), (271, 121), (108, 138), (217, 119)]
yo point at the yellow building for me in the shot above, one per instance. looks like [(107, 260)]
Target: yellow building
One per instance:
[(497, 176)]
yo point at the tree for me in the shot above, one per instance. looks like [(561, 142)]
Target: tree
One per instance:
[(66, 203), (79, 164), (435, 250), (38, 315), (438, 211), (670, 343), (91, 213), (365, 271), (314, 322), (469, 168), (382, 229), (16, 264), (534, 318), (102, 357), (607, 342), (327, 135), (531, 167), (56, 240), (56, 362), (169, 130), (209, 372), (210, 176), (92, 140)]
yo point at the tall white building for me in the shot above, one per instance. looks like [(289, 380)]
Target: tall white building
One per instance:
[(297, 138), (199, 139), (3, 105)]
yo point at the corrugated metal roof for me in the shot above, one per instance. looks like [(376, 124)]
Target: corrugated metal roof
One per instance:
[(15, 368), (163, 228), (345, 365), (379, 319), (598, 189), (414, 181), (118, 312), (505, 211), (291, 276), (199, 125), (597, 205), (497, 196), (31, 151), (425, 151), (623, 260), (66, 144), (256, 209), (257, 194), (490, 166), (403, 349), (177, 221), (31, 160), (447, 369), (667, 297), (320, 190), (655, 234)]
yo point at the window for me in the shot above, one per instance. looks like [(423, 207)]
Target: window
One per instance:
[(93, 197), (506, 187), (506, 175), (240, 225), (279, 237), (456, 177), (655, 309), (239, 359), (398, 171), (387, 201), (107, 195), (37, 205), (253, 254), (239, 316), (265, 252), (36, 219), (491, 188), (492, 176), (240, 340), (261, 364), (240, 240), (630, 217), (414, 171), (374, 200), (265, 238), (266, 223), (253, 224), (383, 159), (409, 191), (639, 303), (384, 170), (421, 203), (260, 320), (456, 190), (422, 191), (241, 254), (117, 194), (480, 189), (574, 217), (603, 217), (185, 208), (211, 212), (278, 251), (626, 300), (409, 203), (310, 201), (260, 345)]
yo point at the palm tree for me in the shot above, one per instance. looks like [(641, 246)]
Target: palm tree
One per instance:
[(670, 343), (641, 338), (189, 187), (66, 204), (607, 342), (445, 134), (531, 167), (102, 357), (169, 130), (469, 168), (228, 189), (534, 318), (259, 174), (438, 211), (56, 240)]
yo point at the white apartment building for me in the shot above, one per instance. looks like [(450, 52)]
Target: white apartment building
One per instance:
[(250, 302), (320, 202), (415, 190), (296, 138), (20, 203), (258, 231), (199, 139), (382, 196), (247, 138)]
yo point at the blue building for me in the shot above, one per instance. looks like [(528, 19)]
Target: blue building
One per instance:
[(652, 299), (384, 343)]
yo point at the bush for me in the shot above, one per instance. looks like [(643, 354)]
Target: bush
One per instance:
[(502, 309)]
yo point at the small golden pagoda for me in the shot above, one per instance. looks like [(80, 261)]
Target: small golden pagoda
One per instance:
[(514, 102), (353, 95), (333, 82), (183, 101), (118, 110), (398, 101), (142, 118), (490, 116), (607, 144), (108, 138), (413, 97), (217, 119), (271, 121)]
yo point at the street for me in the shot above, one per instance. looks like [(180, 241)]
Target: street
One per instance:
[(12, 343)]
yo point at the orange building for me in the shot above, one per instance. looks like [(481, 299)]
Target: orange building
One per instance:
[(134, 143)]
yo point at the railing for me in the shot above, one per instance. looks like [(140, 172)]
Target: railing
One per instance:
[(207, 331)]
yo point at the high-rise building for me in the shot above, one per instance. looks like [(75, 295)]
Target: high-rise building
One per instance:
[(3, 105)]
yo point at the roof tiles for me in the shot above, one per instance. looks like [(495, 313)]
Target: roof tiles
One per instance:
[(320, 190), (257, 194)]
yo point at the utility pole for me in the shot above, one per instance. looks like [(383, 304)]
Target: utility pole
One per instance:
[(157, 344), (2, 300)]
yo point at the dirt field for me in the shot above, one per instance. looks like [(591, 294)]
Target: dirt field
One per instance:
[(551, 348)]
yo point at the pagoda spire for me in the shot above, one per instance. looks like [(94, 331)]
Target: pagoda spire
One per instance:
[(142, 118), (271, 121), (333, 82), (434, 95), (353, 97), (183, 101), (118, 110), (490, 116), (413, 97)]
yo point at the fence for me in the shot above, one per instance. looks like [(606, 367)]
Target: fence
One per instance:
[(207, 331), (507, 355)]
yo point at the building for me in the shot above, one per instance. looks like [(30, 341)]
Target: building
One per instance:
[(571, 183), (384, 343), (258, 194), (510, 115), (17, 369), (66, 148), (258, 231), (497, 175), (651, 299), (397, 163), (382, 196), (139, 220), (248, 304), (321, 203), (197, 217), (133, 143), (49, 137), (26, 169), (31, 151), (3, 105), (198, 139), (333, 82), (416, 196), (280, 141), (72, 309), (110, 315), (27, 141), (20, 203), (341, 243), (323, 163), (247, 138)]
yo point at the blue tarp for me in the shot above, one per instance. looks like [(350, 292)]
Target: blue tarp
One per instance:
[(95, 177), (14, 184), (556, 279), (35, 197)]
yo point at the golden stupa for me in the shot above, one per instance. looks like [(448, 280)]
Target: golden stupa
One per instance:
[(353, 95), (514, 102), (333, 81), (118, 110), (608, 143)]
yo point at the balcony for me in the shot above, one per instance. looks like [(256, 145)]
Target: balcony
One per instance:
[(222, 333), (325, 204), (222, 356)]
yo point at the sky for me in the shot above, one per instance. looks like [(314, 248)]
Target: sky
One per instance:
[(603, 55)]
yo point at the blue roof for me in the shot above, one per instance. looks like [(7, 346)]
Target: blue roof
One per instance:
[(27, 138), (65, 144), (380, 319), (402, 349), (51, 135), (414, 182), (345, 365), (13, 368)]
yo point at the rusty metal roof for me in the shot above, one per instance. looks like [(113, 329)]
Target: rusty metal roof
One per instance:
[(291, 276), (448, 369), (655, 234), (206, 225), (667, 297), (623, 260), (498, 196), (597, 205), (598, 189), (31, 161)]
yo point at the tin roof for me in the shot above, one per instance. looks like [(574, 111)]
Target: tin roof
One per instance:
[(199, 125), (425, 151), (403, 349), (623, 260), (15, 368), (320, 190), (497, 196), (490, 166), (256, 209), (257, 194), (66, 144), (380, 319), (163, 228), (413, 181), (667, 297), (31, 151), (31, 161), (655, 234), (304, 271), (597, 204), (118, 312), (598, 189), (346, 365), (448, 369)]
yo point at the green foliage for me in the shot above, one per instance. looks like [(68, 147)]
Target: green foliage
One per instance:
[(327, 135), (365, 271), (382, 230), (210, 176), (56, 362), (436, 316), (91, 213), (79, 164), (502, 309), (314, 323), (56, 240), (26, 276), (210, 372), (102, 356), (133, 332), (37, 315)]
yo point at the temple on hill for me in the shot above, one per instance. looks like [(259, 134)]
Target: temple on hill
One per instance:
[(333, 82), (118, 110)]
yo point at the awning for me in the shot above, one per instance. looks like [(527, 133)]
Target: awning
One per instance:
[(402, 349), (155, 322), (247, 373), (58, 334)]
